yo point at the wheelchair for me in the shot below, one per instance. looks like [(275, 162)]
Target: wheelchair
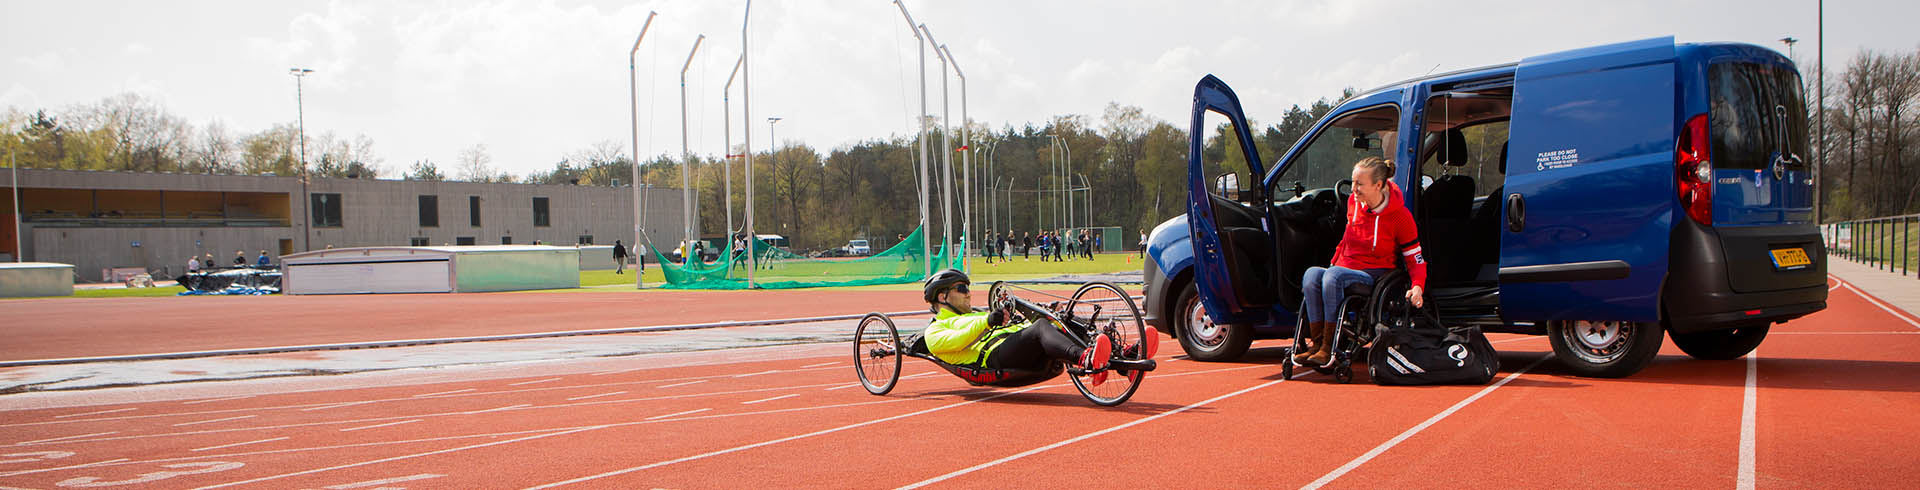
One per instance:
[(1365, 307), (1095, 308)]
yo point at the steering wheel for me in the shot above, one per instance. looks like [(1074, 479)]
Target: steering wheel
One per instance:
[(1343, 196)]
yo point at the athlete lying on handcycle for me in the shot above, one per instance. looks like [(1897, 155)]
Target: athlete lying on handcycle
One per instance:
[(960, 336)]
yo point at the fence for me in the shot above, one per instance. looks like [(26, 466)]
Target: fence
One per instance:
[(1886, 243)]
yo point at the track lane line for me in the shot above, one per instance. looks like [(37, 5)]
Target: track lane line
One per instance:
[(1383, 447), (82, 436), (791, 395), (1875, 302), (215, 420), (538, 381), (1090, 435), (376, 426), (689, 412), (499, 409), (237, 444), (1747, 415), (383, 481), (397, 458), (682, 384), (588, 397), (211, 400), (102, 412), (73, 467), (443, 393)]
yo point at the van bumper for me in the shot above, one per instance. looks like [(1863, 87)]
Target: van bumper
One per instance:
[(1154, 288), (1698, 297)]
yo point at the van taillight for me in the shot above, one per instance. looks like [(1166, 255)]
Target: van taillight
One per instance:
[(1693, 171)]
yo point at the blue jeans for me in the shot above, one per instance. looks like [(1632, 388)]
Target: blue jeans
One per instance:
[(1324, 288)]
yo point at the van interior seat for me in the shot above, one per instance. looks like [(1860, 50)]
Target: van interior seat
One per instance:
[(1485, 226), (1446, 207)]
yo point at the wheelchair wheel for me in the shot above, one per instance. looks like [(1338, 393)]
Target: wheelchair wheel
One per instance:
[(1108, 309), (876, 353)]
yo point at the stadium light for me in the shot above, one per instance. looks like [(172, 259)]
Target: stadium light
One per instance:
[(921, 41), (686, 154), (300, 105), (633, 94)]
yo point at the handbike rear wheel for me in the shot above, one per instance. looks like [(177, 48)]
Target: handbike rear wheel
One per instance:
[(876, 353), (1110, 310)]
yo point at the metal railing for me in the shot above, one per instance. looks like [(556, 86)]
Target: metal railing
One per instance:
[(1886, 243)]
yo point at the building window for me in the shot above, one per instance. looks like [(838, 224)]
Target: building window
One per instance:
[(540, 212), (506, 240), (326, 210), (465, 240), (473, 209), (586, 239), (418, 241), (429, 211)]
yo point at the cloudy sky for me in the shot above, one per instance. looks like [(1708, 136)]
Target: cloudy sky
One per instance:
[(535, 80)]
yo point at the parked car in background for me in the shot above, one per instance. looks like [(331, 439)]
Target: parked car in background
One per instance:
[(859, 248), (1600, 196)]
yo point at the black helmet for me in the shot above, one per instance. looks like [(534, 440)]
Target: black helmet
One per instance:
[(941, 281)]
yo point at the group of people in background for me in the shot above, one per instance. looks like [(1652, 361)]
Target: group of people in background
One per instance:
[(196, 264), (1054, 245)]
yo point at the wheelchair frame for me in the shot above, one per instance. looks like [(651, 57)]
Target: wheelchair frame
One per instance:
[(1358, 318)]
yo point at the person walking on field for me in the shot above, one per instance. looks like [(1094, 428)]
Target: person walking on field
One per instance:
[(1006, 242), (193, 264), (619, 258), (1143, 244), (1087, 243), (1026, 244)]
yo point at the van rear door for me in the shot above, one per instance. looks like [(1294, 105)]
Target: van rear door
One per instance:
[(1762, 184), (1589, 184)]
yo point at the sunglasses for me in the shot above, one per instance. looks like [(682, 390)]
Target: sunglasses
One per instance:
[(960, 288)]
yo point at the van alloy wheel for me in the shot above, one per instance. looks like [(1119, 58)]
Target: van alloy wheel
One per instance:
[(1201, 337), (1601, 342), (1205, 332)]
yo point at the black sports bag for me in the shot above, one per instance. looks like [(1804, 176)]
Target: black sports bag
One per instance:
[(1418, 350)]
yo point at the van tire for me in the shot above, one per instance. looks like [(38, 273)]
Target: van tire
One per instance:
[(1605, 349), (1207, 341), (1720, 345)]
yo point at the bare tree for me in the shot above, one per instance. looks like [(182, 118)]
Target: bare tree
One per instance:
[(476, 165)]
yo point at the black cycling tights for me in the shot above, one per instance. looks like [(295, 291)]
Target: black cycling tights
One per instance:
[(1033, 347)]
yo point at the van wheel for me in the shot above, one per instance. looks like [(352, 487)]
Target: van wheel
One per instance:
[(1203, 339), (1606, 349), (1720, 345)]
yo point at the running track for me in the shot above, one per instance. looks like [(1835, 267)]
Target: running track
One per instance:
[(1826, 402)]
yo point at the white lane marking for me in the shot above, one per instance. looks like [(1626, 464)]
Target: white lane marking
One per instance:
[(1383, 447), (697, 410), (223, 446), (842, 387), (783, 439), (82, 436), (383, 481), (444, 393), (514, 407), (578, 398), (537, 381), (682, 384), (617, 371), (1835, 286), (1093, 434), (1747, 409), (397, 458), (824, 364), (1869, 298), (215, 420), (376, 426), (74, 467), (770, 399), (197, 402), (102, 412), (770, 371), (338, 405)]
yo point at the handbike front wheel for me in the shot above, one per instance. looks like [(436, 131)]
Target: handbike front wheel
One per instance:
[(1107, 309), (876, 353)]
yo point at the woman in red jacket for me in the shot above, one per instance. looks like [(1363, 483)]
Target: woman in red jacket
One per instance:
[(1380, 232)]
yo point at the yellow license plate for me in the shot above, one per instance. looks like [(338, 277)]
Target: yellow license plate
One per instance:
[(1790, 258)]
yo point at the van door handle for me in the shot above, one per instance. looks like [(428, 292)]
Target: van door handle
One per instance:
[(1516, 212)]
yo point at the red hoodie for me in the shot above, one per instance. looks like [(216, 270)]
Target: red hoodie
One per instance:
[(1372, 239)]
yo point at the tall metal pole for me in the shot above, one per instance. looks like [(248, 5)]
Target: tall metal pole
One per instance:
[(13, 163), (773, 143), (966, 146), (921, 42), (633, 96), (746, 142), (1820, 36), (306, 195), (726, 140), (1066, 172), (686, 154), (946, 152)]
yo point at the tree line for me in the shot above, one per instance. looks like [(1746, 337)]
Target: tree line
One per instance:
[(1873, 128)]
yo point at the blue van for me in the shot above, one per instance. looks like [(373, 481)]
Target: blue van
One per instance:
[(1599, 196)]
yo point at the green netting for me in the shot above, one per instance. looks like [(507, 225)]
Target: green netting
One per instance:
[(781, 269)]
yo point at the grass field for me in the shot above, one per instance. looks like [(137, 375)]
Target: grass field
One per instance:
[(602, 281)]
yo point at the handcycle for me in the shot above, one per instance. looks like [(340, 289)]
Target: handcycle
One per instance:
[(1095, 308)]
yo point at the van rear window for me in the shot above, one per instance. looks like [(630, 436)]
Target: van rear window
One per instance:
[(1756, 111)]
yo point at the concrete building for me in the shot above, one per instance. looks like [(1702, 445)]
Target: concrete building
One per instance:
[(156, 221)]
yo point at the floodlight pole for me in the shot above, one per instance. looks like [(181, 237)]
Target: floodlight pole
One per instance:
[(300, 106), (921, 41), (946, 151), (633, 96), (13, 164), (966, 144), (686, 154), (746, 142), (727, 140)]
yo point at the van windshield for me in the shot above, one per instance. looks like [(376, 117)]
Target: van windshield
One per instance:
[(1756, 111)]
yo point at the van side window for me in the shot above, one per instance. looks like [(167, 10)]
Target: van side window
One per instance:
[(1328, 158)]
